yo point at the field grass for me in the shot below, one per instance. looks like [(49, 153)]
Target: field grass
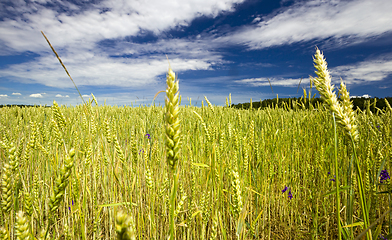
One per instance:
[(101, 172)]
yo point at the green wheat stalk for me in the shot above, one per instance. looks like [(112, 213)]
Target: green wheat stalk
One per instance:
[(173, 139), (346, 119), (61, 62)]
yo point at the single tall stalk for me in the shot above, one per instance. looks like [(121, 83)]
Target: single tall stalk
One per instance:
[(337, 179), (346, 119), (173, 140), (361, 191), (173, 205)]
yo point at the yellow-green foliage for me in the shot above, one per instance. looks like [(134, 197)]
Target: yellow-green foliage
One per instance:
[(244, 166), (232, 167)]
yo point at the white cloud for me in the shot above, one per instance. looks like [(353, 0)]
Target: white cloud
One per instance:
[(16, 94), (90, 69), (3, 95), (364, 72), (343, 21), (258, 82), (256, 19), (36, 95), (86, 96), (85, 27), (61, 96), (363, 96), (76, 38), (367, 71)]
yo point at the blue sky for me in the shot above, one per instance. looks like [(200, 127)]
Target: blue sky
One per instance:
[(117, 49)]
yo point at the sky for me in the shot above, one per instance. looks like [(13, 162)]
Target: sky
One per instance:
[(121, 50)]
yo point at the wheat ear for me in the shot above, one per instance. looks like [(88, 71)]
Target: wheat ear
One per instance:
[(345, 117), (344, 114), (388, 105), (172, 121), (173, 139), (209, 104), (58, 116), (61, 182), (6, 188), (237, 193), (125, 227), (22, 227), (4, 234), (204, 127)]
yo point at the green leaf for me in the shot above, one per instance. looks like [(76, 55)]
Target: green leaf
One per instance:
[(389, 191), (354, 225), (200, 165), (194, 214), (381, 167), (334, 191)]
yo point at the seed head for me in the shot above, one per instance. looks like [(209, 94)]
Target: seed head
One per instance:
[(344, 114), (172, 121)]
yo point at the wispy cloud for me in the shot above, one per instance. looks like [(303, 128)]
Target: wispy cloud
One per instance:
[(61, 96), (360, 73), (363, 96), (365, 72), (345, 22), (19, 94), (89, 24), (258, 82), (36, 95), (90, 69), (3, 95), (80, 37), (103, 45)]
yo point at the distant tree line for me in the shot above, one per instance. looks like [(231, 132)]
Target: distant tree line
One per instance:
[(21, 105), (374, 105)]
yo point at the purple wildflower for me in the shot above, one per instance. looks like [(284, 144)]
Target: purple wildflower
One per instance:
[(148, 136), (384, 176), (141, 150), (333, 179), (382, 237), (290, 195), (285, 189)]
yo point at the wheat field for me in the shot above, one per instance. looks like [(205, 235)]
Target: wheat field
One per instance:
[(105, 172)]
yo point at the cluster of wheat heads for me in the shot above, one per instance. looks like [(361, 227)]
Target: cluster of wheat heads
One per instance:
[(231, 168), (344, 115)]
